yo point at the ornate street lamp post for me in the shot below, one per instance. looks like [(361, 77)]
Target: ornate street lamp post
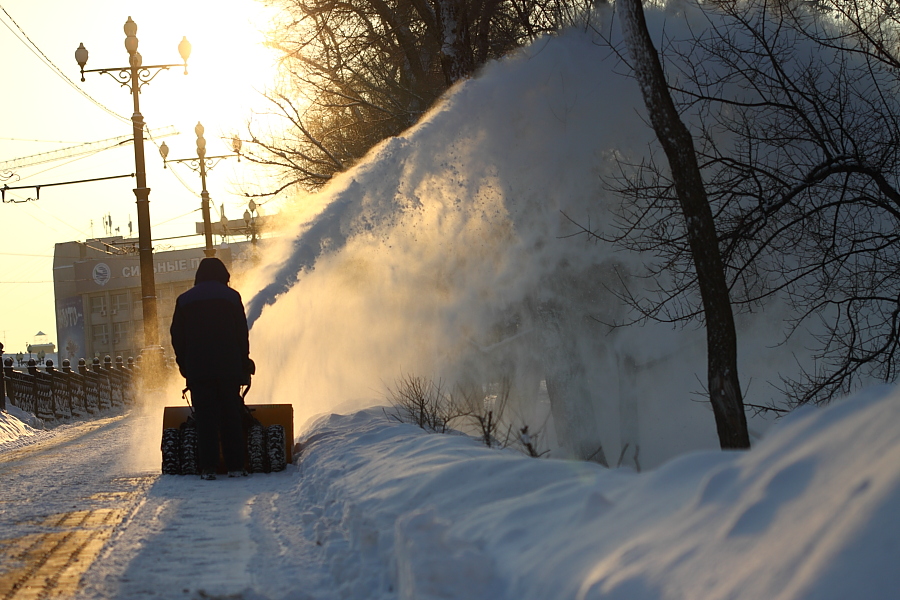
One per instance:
[(2, 380), (250, 219), (201, 164), (136, 75)]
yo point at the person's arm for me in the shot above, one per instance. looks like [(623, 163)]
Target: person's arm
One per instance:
[(242, 332), (178, 337)]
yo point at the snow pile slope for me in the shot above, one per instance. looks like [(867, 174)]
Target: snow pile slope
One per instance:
[(445, 233), (809, 514), (453, 252), (14, 424)]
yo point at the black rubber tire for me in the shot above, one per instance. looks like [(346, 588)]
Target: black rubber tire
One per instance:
[(190, 457), (275, 447), (256, 448), (171, 451)]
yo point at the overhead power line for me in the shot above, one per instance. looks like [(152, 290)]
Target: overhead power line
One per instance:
[(172, 171), (38, 187), (9, 139), (79, 150), (34, 49)]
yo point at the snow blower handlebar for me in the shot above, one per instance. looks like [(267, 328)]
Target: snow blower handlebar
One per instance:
[(249, 372)]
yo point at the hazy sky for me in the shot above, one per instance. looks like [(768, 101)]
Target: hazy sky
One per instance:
[(42, 112)]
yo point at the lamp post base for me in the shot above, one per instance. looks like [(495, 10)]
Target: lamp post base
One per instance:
[(154, 373)]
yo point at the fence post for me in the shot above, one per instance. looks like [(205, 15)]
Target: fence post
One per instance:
[(116, 389), (54, 393), (62, 392), (76, 389), (42, 390), (24, 387), (6, 373), (125, 381), (15, 384), (3, 381), (104, 389)]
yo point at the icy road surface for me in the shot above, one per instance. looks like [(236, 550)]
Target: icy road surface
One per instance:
[(86, 501)]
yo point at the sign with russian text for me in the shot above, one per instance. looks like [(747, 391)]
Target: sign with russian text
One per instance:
[(70, 329), (120, 272)]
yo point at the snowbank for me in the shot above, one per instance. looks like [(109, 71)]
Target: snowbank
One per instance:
[(15, 424), (809, 514)]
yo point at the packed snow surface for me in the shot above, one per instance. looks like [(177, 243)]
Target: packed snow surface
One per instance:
[(376, 509)]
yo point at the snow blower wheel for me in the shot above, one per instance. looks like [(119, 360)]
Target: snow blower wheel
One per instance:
[(275, 448), (171, 451), (190, 448), (256, 448)]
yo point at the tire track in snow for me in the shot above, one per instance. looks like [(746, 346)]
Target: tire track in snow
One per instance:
[(64, 495), (197, 539), (85, 514)]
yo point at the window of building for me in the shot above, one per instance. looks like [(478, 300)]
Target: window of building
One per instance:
[(119, 302), (120, 334), (100, 334), (98, 305)]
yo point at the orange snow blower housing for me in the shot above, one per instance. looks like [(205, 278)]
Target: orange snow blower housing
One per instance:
[(268, 436)]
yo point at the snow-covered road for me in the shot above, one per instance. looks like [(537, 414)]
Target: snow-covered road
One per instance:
[(86, 501), (63, 495)]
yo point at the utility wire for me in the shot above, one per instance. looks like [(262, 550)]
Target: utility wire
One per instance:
[(34, 49), (176, 218), (68, 162), (79, 150), (9, 139), (172, 171)]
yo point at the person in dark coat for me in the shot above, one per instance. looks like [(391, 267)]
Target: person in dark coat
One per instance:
[(212, 348)]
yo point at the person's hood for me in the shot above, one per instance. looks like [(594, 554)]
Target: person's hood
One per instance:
[(212, 269)]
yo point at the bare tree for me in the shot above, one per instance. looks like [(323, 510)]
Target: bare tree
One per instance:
[(355, 72), (800, 146), (423, 402), (723, 384)]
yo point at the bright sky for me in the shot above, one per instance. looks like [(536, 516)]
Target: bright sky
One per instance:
[(42, 112)]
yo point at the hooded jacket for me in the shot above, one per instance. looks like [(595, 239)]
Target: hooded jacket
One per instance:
[(209, 328)]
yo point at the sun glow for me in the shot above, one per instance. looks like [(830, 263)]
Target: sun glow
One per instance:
[(229, 70), (229, 66)]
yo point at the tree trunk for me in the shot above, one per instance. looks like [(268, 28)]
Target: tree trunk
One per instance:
[(673, 135)]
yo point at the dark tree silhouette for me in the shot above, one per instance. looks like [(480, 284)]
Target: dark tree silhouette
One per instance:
[(722, 375), (355, 72), (799, 142)]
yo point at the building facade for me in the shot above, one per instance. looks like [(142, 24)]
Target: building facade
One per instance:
[(97, 289)]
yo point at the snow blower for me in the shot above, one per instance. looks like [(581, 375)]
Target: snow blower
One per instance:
[(268, 435)]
